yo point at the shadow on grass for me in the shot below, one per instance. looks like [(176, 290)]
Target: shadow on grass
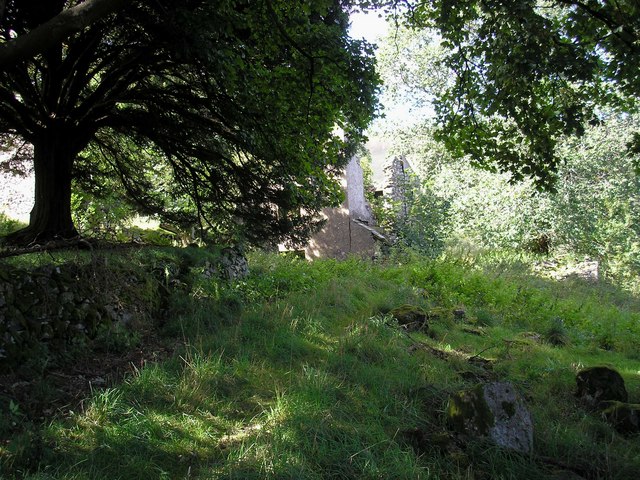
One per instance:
[(309, 385)]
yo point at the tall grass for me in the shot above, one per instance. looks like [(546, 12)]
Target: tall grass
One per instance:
[(297, 372)]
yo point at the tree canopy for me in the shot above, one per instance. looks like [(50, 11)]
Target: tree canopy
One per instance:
[(222, 113), (68, 21), (593, 209), (527, 72)]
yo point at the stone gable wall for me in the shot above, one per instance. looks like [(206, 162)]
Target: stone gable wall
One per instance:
[(341, 236)]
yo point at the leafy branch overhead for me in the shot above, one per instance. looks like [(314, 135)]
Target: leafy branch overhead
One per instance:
[(223, 113), (527, 72), (58, 28)]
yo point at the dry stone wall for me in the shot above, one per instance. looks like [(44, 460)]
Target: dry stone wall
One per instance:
[(53, 306), (60, 304)]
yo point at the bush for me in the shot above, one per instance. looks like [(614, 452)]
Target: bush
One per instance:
[(421, 221), (9, 225)]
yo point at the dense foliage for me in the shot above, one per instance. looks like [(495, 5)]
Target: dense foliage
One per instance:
[(420, 221), (217, 114), (525, 73), (593, 212), (594, 208)]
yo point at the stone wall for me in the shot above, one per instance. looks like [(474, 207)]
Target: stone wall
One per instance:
[(397, 182), (51, 306), (341, 236), (59, 304)]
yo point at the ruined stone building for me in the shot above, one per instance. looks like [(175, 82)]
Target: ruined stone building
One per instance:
[(398, 180), (349, 228)]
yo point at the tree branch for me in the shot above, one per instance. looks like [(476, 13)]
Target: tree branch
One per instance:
[(61, 26), (625, 35)]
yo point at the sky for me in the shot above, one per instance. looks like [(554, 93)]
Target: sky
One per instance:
[(371, 26), (367, 25)]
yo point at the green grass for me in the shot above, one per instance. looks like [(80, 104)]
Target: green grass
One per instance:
[(297, 373), (9, 225)]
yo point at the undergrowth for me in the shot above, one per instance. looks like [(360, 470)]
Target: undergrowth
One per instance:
[(298, 372)]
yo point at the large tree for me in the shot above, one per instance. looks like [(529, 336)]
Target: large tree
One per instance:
[(222, 112), (527, 72)]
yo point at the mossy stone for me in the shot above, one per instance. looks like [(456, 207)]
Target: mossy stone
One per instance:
[(410, 316), (624, 417), (468, 412), (493, 410), (600, 384)]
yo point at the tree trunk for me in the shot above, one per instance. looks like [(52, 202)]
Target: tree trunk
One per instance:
[(51, 214)]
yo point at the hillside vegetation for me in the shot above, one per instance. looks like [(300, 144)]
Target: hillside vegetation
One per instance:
[(229, 123), (298, 371)]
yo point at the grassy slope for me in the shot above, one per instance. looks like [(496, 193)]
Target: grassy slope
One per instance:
[(296, 373)]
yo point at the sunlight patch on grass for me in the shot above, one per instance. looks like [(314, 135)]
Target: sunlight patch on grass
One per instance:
[(307, 378)]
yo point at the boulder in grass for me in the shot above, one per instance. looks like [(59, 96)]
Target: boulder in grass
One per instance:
[(624, 417), (495, 411), (411, 317), (597, 385)]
